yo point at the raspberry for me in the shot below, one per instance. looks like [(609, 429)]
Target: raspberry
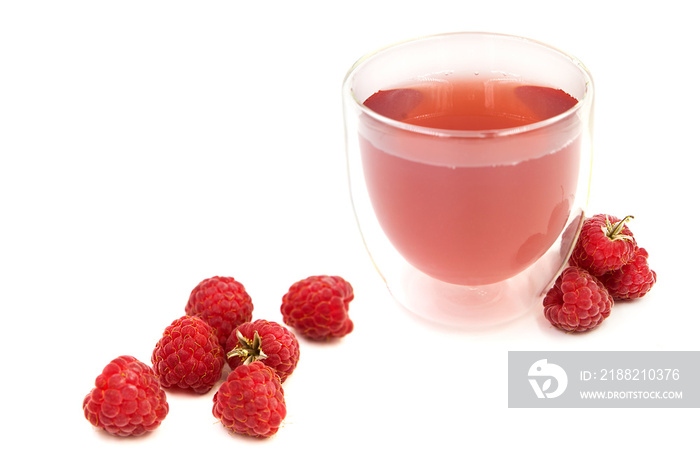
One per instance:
[(317, 307), (223, 303), (264, 341), (632, 280), (188, 356), (577, 302), (251, 401), (604, 244), (127, 399)]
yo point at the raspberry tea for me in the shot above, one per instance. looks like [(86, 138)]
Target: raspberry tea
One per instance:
[(466, 222), (469, 161)]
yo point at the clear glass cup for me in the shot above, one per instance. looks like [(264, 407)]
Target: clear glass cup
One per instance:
[(468, 225)]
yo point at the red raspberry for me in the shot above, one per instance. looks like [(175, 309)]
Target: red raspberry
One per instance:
[(251, 401), (317, 307), (604, 244), (188, 356), (223, 303), (127, 399), (264, 341), (632, 280), (577, 302)]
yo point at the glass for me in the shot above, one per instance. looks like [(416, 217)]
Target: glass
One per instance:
[(469, 163)]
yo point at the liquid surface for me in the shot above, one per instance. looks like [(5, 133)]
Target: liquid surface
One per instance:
[(471, 104)]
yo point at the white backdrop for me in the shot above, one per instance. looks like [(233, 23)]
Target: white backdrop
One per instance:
[(147, 145)]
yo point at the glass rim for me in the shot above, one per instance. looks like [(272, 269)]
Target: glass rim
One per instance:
[(472, 134)]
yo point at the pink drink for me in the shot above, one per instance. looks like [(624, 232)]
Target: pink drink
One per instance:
[(477, 207)]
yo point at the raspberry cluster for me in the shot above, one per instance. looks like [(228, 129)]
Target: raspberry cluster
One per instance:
[(606, 265), (217, 329)]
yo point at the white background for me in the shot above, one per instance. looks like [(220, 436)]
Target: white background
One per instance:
[(148, 145)]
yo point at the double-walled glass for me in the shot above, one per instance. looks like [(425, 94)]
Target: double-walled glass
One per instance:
[(468, 226)]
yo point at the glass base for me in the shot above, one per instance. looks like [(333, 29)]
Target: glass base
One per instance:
[(474, 307)]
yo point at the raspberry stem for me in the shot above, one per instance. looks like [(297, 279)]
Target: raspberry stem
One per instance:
[(249, 350), (613, 231)]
